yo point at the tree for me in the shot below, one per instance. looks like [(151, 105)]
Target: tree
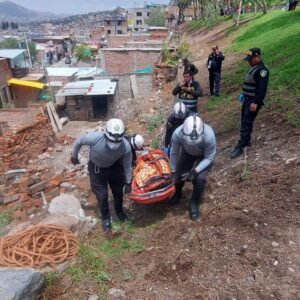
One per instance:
[(10, 44), (182, 5), (32, 49), (82, 52), (156, 17)]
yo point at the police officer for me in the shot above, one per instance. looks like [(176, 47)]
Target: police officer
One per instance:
[(193, 151), (180, 112), (109, 158), (252, 97), (189, 67), (214, 65), (136, 142), (188, 91)]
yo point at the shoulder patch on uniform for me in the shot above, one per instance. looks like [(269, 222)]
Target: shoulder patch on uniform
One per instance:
[(263, 73)]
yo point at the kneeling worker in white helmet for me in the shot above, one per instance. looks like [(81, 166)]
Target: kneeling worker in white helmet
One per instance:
[(110, 157), (193, 151), (136, 142)]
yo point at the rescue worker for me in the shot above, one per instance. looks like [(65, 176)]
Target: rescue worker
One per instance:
[(136, 142), (180, 112), (214, 65), (188, 91), (252, 97), (193, 151), (109, 159), (189, 67)]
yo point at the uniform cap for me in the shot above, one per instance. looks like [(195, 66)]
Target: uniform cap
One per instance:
[(252, 53)]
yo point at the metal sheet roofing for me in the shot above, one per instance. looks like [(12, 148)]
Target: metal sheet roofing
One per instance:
[(88, 88), (11, 53)]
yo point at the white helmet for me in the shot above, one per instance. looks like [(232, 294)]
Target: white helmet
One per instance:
[(193, 129), (180, 110), (137, 142), (114, 130)]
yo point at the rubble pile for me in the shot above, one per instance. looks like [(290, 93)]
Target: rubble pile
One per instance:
[(18, 147), (29, 191)]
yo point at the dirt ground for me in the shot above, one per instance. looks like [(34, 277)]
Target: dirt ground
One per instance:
[(247, 242)]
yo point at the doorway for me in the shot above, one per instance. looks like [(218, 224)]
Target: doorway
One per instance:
[(99, 106)]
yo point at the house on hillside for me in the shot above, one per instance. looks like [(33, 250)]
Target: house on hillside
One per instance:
[(88, 100)]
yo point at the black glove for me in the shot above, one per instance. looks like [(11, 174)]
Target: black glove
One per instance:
[(189, 176), (75, 161), (127, 188)]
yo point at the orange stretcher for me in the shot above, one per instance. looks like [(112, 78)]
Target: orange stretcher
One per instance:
[(152, 181)]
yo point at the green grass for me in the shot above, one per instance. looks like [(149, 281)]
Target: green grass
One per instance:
[(155, 143), (277, 34), (115, 247), (207, 23), (76, 273), (154, 122), (6, 217), (52, 278)]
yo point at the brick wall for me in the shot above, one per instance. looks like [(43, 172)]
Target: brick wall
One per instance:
[(17, 148), (24, 95), (116, 41), (5, 71), (126, 61)]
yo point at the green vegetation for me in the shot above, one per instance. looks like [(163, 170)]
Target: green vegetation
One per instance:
[(207, 23), (155, 143), (82, 52), (172, 57), (156, 17), (154, 122), (278, 40), (52, 278), (6, 217)]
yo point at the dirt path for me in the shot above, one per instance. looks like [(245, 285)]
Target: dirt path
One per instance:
[(247, 243)]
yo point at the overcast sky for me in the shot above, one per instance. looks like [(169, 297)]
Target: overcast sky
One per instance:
[(80, 6)]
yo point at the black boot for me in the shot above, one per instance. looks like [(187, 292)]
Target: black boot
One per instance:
[(122, 216), (194, 211), (237, 151), (106, 225), (176, 198)]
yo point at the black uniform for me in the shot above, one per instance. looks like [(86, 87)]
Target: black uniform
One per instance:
[(133, 151), (191, 68), (254, 90), (214, 65), (172, 124), (189, 99)]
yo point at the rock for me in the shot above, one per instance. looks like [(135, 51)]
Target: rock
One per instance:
[(20, 283), (19, 227), (12, 173), (291, 160), (64, 220), (275, 263), (9, 198), (115, 294), (37, 187), (67, 204), (93, 297), (275, 244), (292, 270)]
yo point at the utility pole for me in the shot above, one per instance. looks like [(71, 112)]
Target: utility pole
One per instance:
[(49, 84), (115, 23), (30, 61)]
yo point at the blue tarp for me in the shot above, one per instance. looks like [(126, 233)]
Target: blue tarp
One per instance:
[(146, 70)]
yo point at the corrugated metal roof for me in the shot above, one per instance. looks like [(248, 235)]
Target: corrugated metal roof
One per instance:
[(11, 53), (89, 88), (67, 72)]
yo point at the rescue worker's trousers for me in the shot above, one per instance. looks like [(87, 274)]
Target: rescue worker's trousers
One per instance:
[(184, 164), (100, 178), (247, 119)]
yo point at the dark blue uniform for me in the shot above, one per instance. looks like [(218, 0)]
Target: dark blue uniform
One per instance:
[(254, 91)]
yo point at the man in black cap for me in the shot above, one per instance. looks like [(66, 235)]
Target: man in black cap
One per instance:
[(214, 65), (189, 67), (252, 97)]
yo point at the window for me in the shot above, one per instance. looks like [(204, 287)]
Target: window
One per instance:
[(119, 23), (139, 14), (139, 22), (108, 32), (119, 32), (148, 14), (108, 22)]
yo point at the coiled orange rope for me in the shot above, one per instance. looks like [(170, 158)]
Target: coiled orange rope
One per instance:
[(37, 246)]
